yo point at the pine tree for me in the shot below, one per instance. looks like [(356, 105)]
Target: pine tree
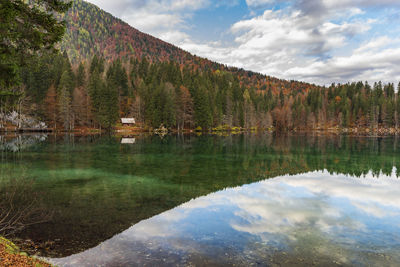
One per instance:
[(247, 109), (64, 101), (397, 107), (27, 27), (96, 85), (51, 106), (80, 106), (185, 108), (168, 116), (81, 76), (203, 117), (107, 111)]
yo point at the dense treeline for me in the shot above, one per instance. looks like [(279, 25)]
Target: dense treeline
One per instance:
[(98, 93), (157, 83)]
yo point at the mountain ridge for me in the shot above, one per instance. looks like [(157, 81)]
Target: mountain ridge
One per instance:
[(91, 30)]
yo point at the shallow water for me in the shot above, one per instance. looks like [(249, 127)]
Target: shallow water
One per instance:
[(209, 200)]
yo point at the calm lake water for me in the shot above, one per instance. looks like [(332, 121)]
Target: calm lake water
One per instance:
[(208, 200)]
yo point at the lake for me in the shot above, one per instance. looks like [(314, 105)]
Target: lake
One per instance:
[(185, 200)]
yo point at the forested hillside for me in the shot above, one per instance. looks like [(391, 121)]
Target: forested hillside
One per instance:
[(109, 70), (91, 30)]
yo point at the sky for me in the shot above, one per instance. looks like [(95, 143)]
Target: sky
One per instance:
[(317, 41)]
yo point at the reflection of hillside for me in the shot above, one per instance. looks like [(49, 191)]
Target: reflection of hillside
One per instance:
[(99, 187)]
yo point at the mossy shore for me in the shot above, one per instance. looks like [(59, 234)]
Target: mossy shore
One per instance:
[(10, 255)]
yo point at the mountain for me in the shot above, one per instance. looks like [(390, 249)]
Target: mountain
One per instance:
[(91, 30), (109, 70)]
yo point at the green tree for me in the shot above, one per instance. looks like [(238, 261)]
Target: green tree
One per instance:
[(64, 101), (203, 117), (116, 74), (107, 109), (81, 76), (27, 27)]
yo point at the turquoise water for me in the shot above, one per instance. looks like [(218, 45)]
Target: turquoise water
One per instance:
[(209, 200)]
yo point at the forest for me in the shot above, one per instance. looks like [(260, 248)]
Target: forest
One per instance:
[(98, 93), (105, 70)]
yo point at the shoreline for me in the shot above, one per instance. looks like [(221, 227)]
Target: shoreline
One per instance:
[(221, 130), (11, 255)]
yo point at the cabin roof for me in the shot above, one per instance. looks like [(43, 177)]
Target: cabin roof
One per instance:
[(128, 120)]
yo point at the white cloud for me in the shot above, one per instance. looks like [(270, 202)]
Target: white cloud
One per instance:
[(258, 3), (374, 44), (339, 211), (275, 30), (122, 7), (165, 19), (150, 22), (311, 42), (365, 63), (363, 3), (287, 45)]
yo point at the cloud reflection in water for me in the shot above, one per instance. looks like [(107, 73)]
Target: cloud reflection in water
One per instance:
[(313, 218)]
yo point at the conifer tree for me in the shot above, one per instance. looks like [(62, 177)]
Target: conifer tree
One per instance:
[(203, 117), (106, 101), (81, 76), (64, 101), (27, 27)]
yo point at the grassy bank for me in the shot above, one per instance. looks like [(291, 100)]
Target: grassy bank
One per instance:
[(10, 255)]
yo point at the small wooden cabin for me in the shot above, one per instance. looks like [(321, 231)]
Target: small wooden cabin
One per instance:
[(128, 141), (128, 121)]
